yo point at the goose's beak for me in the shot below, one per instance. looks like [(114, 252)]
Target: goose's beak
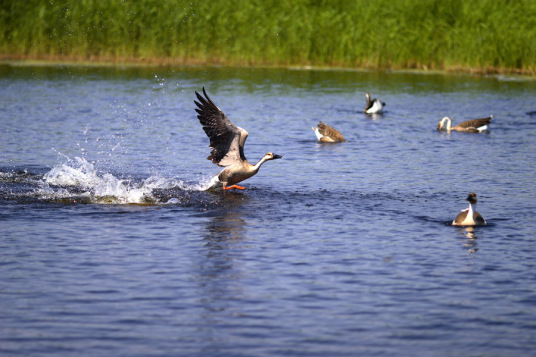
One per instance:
[(277, 156)]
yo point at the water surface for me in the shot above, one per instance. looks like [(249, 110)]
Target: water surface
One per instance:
[(109, 245)]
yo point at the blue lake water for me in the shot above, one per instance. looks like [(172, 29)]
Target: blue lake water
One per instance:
[(109, 246)]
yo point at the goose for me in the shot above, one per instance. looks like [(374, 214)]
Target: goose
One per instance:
[(468, 126), (469, 216), (374, 106), (227, 142), (327, 134)]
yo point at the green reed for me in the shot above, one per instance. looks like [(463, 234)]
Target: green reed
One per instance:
[(433, 34)]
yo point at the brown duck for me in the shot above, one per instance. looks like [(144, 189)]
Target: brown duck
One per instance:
[(468, 126), (327, 134), (227, 143)]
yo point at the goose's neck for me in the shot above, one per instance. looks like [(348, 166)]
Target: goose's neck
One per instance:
[(471, 209), (258, 164), (317, 133), (449, 123)]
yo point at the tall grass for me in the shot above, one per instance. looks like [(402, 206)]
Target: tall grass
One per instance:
[(435, 34)]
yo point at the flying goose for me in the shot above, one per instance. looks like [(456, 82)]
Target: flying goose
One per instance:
[(227, 143), (469, 216), (374, 106), (468, 126), (327, 134)]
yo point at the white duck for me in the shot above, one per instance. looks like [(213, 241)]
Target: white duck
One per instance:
[(374, 106)]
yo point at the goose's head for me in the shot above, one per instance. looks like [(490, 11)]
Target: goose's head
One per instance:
[(472, 198), (271, 156), (442, 122)]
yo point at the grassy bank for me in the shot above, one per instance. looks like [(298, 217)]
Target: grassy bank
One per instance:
[(434, 34)]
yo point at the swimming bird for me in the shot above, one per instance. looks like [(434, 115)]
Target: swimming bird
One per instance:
[(469, 216), (227, 143), (468, 126), (327, 134), (374, 106)]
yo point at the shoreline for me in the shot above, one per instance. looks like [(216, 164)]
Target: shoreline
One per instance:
[(43, 61)]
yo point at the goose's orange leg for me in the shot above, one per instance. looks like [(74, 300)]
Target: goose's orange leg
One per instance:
[(234, 186)]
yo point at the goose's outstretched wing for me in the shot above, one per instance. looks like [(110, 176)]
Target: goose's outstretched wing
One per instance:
[(226, 139)]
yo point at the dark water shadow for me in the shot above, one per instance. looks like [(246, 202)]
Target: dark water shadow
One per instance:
[(218, 277), (348, 111)]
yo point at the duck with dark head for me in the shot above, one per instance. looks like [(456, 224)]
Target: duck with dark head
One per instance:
[(469, 216)]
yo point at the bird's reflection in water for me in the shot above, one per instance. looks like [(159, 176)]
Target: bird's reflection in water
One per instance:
[(226, 224), (219, 278), (470, 243), (220, 281), (225, 228), (223, 235)]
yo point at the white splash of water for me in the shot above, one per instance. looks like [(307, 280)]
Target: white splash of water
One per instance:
[(79, 173), (80, 178), (209, 183)]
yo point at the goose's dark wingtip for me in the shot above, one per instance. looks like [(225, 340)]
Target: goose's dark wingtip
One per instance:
[(203, 90), (201, 99)]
